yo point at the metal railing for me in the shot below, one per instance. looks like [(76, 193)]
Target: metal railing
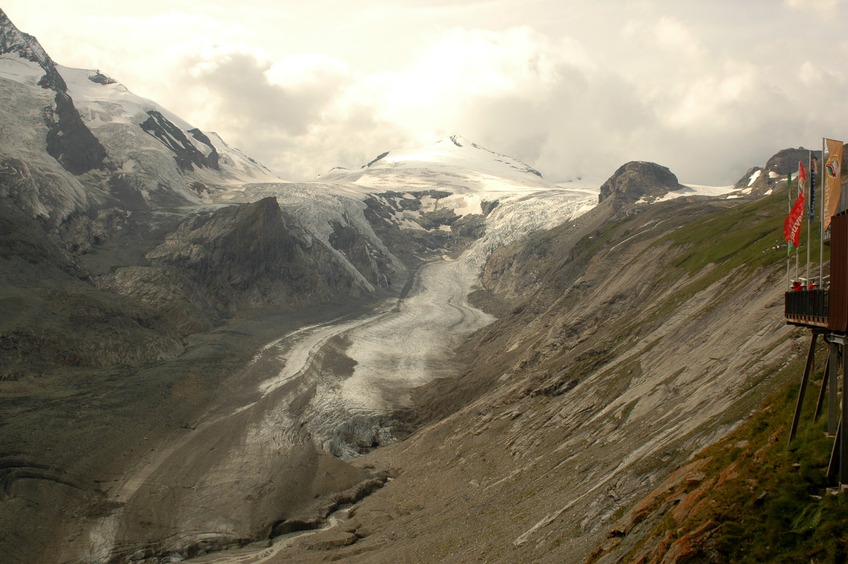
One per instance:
[(807, 307)]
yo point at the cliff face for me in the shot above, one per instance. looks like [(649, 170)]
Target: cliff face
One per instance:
[(97, 368), (638, 182), (240, 257)]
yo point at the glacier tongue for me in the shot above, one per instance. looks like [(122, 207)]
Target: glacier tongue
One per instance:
[(363, 370)]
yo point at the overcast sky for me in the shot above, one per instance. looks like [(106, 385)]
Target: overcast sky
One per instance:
[(707, 88)]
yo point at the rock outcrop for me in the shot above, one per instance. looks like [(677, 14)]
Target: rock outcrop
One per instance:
[(70, 141), (230, 260), (760, 180), (185, 153), (786, 161), (638, 182)]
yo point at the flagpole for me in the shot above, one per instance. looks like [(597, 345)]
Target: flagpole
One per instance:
[(821, 220), (812, 183), (809, 229), (788, 243), (796, 248)]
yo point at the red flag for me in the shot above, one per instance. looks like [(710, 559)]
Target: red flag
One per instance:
[(802, 177), (792, 225)]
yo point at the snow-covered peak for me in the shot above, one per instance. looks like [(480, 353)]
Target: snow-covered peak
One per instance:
[(127, 134), (453, 163), (104, 104), (132, 129), (456, 150), (13, 40)]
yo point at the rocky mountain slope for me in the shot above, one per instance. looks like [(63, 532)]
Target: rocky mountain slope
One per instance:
[(158, 285), (144, 266), (765, 179), (624, 347), (93, 178)]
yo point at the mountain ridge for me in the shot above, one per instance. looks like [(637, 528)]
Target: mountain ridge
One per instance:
[(95, 127), (452, 163), (69, 140), (154, 308), (14, 40)]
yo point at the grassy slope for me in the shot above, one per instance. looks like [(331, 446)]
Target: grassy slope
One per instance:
[(751, 497)]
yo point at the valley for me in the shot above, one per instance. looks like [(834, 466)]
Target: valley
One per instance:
[(439, 356), (266, 435)]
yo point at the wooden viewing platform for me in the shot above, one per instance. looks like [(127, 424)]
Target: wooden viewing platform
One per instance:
[(807, 308), (825, 312)]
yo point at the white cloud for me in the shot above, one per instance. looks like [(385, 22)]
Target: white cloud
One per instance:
[(707, 89), (268, 109), (675, 37), (462, 65), (822, 8)]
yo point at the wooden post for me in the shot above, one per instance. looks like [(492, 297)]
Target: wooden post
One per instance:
[(832, 385), (843, 443), (834, 456), (811, 357), (823, 390)]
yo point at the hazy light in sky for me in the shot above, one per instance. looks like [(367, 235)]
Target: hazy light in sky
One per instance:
[(572, 88)]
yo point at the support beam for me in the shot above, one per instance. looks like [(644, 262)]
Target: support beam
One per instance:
[(834, 456), (823, 390), (811, 357), (843, 442), (832, 386)]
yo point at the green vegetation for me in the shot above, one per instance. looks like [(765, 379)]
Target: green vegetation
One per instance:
[(770, 502), (747, 235), (743, 239), (757, 498)]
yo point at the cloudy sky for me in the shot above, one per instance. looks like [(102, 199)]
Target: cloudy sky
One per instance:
[(707, 88)]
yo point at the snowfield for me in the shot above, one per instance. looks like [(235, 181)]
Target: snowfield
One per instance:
[(114, 115), (452, 163)]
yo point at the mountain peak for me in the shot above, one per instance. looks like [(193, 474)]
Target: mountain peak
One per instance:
[(452, 162), (13, 40), (458, 140), (637, 181), (95, 123)]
